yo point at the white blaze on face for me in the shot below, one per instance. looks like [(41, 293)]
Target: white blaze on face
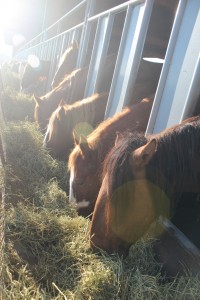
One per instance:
[(72, 199), (46, 136)]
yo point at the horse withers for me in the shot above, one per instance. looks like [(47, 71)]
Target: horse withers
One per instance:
[(86, 159), (144, 178)]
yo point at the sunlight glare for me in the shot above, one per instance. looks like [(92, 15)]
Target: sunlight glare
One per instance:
[(34, 61), (154, 60), (11, 12), (18, 40)]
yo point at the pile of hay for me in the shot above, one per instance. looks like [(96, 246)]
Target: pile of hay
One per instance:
[(46, 253), (17, 106), (10, 79)]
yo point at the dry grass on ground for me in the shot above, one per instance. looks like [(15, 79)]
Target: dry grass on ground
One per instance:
[(46, 253)]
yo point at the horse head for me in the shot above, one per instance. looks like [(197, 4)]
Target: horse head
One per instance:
[(83, 167), (55, 138), (145, 178)]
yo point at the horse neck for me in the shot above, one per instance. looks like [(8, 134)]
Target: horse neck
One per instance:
[(104, 136)]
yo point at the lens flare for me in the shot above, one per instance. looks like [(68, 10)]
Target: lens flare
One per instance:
[(34, 61), (18, 40), (83, 128)]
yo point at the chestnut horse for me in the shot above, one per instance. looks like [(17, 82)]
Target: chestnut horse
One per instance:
[(143, 178), (86, 159), (34, 78), (67, 90), (67, 64), (71, 89), (82, 116)]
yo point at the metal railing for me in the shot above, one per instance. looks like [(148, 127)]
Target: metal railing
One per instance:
[(102, 27), (94, 36)]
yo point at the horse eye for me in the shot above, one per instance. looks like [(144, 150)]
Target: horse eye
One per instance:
[(79, 181)]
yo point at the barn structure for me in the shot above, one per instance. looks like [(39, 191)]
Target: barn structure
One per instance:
[(155, 45)]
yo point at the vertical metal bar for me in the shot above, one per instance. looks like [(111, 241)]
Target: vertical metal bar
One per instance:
[(129, 56), (193, 93), (85, 33), (99, 53), (178, 70)]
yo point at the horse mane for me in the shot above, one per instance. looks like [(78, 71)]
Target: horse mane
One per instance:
[(61, 87), (177, 148), (67, 52), (102, 138), (99, 135), (97, 138), (117, 169), (67, 63), (80, 111), (117, 161), (67, 77)]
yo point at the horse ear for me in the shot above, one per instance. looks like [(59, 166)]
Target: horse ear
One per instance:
[(75, 137), (118, 136), (82, 142), (74, 44), (38, 100), (62, 102), (143, 155), (61, 113)]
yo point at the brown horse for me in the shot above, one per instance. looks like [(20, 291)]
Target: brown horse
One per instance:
[(66, 65), (86, 159), (34, 77), (81, 117), (143, 178), (45, 105), (71, 89)]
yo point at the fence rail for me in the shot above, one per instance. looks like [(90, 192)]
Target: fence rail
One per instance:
[(134, 29)]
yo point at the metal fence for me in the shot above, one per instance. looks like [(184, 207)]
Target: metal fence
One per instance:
[(128, 30)]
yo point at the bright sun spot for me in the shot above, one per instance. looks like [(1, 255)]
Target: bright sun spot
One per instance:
[(34, 61), (18, 39), (10, 13)]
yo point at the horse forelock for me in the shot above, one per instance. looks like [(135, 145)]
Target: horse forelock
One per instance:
[(76, 152)]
